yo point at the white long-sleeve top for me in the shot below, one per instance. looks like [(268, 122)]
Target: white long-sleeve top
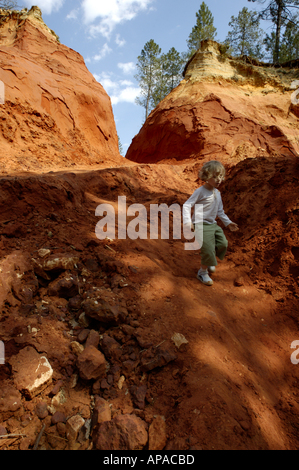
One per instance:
[(208, 201)]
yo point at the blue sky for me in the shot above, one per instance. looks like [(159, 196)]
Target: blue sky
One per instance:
[(110, 35)]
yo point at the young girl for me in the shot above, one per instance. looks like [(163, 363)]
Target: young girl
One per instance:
[(214, 242)]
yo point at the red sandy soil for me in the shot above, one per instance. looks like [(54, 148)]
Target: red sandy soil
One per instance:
[(233, 386)]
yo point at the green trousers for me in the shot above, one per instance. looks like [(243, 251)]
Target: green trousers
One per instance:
[(214, 243)]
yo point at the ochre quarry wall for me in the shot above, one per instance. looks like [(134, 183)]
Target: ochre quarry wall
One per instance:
[(223, 109), (55, 113)]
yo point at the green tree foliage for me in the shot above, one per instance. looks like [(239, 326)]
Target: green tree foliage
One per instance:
[(204, 29), (280, 12), (148, 66), (157, 74), (120, 147), (290, 43), (245, 36), (169, 75)]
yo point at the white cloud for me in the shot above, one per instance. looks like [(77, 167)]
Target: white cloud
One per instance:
[(127, 68), (73, 15), (46, 6), (111, 13), (103, 53), (119, 90), (127, 95), (120, 42)]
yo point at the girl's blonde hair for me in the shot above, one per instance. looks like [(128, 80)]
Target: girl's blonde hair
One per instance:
[(211, 169)]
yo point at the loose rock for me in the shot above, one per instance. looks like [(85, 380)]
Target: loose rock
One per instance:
[(157, 434), (124, 432), (32, 372), (91, 364)]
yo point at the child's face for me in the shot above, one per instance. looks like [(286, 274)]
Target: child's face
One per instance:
[(216, 180)]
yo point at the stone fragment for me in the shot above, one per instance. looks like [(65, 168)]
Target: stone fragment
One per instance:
[(73, 427), (144, 337), (10, 401), (60, 262), (93, 339), (83, 335), (157, 434), (111, 348), (104, 312), (101, 412), (75, 303), (239, 282), (121, 382), (91, 364), (58, 417), (157, 357), (138, 395), (43, 252), (66, 287), (41, 410), (32, 372), (124, 432), (77, 348), (83, 320), (179, 340)]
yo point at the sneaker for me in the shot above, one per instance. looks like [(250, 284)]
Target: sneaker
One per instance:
[(212, 269), (203, 277)]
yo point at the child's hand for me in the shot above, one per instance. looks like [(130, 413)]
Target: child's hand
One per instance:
[(233, 227), (192, 228)]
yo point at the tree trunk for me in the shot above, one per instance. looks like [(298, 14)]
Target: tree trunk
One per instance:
[(278, 31)]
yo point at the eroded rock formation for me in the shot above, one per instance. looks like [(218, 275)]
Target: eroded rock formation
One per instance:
[(55, 113), (223, 109)]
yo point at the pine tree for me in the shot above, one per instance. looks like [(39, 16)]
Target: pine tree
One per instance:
[(204, 29), (148, 67), (169, 75), (245, 35), (290, 43), (120, 147), (280, 12), (173, 63)]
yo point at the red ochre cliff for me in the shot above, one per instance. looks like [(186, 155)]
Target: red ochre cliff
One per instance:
[(55, 114), (223, 109)]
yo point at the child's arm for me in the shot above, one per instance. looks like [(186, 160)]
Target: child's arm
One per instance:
[(187, 209), (233, 227)]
